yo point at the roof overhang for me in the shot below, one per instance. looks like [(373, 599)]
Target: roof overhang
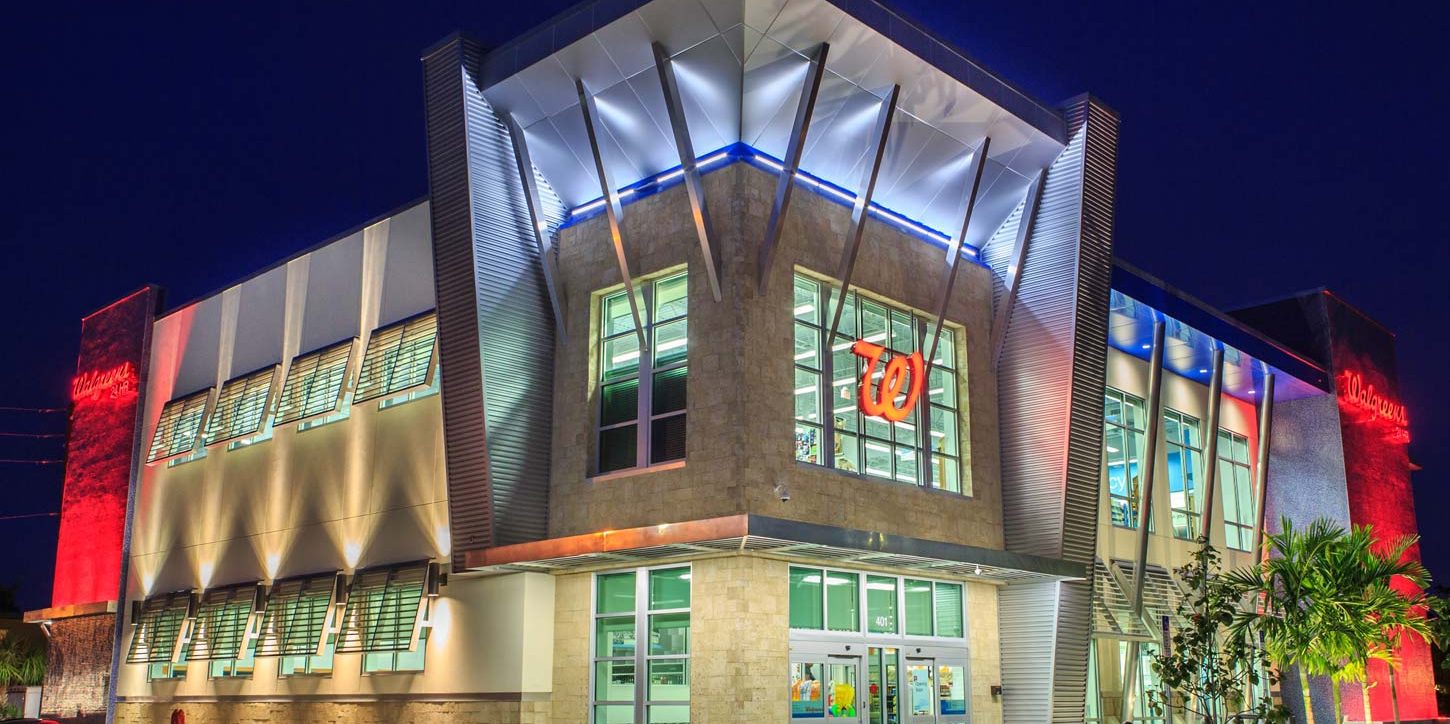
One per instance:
[(740, 66), (762, 535), (1193, 330)]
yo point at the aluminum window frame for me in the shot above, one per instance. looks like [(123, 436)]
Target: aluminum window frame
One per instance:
[(1138, 438), (379, 611), (642, 613), (945, 366), (1192, 481), (162, 618), (862, 632), (1240, 521), (644, 375)]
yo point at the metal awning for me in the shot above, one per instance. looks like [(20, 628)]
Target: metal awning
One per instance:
[(773, 536), (740, 67)]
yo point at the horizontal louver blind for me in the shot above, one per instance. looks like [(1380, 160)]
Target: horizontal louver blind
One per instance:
[(157, 628), (179, 425), (398, 357), (240, 406), (314, 383), (382, 609), (295, 617), (221, 623)]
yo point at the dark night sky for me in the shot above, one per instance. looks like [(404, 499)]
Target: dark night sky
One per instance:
[(1266, 148)]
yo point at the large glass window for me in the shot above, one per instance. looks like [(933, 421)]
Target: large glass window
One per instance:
[(314, 383), (1123, 427), (1185, 497), (641, 648), (398, 357), (1240, 515), (826, 381), (179, 426), (309, 664), (643, 425), (830, 600)]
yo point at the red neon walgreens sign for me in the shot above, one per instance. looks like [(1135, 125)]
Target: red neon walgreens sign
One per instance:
[(1353, 389), (97, 384), (901, 373)]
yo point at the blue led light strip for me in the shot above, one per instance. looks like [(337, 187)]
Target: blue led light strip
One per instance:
[(744, 152)]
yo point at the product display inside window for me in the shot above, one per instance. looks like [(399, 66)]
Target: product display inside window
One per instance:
[(911, 663), (826, 389)]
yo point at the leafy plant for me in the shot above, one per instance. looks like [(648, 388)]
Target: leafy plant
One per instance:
[(1213, 669), (1327, 605), (22, 662)]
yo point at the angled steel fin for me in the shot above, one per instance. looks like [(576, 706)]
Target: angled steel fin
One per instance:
[(547, 258), (879, 136), (693, 187), (1013, 280), (954, 247), (611, 206), (791, 163)]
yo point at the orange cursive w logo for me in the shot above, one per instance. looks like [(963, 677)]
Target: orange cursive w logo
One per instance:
[(893, 379)]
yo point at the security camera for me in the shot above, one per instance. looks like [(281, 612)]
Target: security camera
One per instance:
[(782, 492)]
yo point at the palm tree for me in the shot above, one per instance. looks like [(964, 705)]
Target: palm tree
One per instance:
[(1329, 606), (1291, 587)]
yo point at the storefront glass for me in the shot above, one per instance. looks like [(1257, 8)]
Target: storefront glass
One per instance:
[(653, 606), (826, 382), (642, 397), (1185, 497), (1123, 426)]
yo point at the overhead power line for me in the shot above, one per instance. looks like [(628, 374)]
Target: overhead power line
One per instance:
[(15, 461), (47, 410), (20, 516), (39, 435)]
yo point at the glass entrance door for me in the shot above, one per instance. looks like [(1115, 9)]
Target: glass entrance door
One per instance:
[(826, 687), (935, 691), (883, 690), (920, 685)]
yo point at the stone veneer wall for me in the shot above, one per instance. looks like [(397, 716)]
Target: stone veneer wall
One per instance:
[(739, 656), (327, 712), (985, 651), (740, 424), (740, 643), (78, 666)]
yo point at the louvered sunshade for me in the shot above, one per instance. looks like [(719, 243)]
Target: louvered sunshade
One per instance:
[(240, 406), (398, 357), (157, 628), (221, 622), (382, 609), (296, 615), (178, 426), (314, 383)]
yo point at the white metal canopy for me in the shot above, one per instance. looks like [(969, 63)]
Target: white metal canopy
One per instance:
[(740, 67)]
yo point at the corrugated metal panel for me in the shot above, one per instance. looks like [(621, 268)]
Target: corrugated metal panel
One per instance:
[(1027, 616), (1050, 381), (1070, 667), (496, 335)]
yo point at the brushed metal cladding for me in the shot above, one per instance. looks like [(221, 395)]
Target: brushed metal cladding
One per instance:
[(495, 330), (1070, 663), (1027, 632)]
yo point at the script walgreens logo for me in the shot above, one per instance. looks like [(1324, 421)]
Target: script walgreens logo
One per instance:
[(901, 374)]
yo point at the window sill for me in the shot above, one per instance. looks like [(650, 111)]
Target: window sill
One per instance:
[(882, 481), (632, 472)]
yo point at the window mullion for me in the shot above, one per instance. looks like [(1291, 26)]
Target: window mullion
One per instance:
[(827, 388), (646, 382), (641, 645), (923, 415)]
